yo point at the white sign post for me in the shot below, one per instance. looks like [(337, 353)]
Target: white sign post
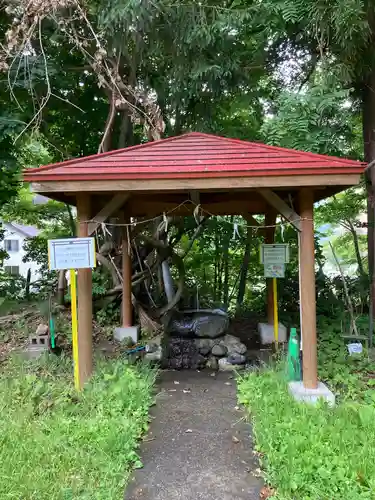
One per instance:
[(277, 253), (274, 256), (72, 253)]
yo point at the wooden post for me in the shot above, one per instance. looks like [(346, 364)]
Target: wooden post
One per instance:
[(270, 220), (84, 285), (127, 319), (307, 289)]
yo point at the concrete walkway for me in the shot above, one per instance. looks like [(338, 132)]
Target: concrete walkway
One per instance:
[(199, 446)]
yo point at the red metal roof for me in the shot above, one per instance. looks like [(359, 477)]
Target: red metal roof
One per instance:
[(194, 155)]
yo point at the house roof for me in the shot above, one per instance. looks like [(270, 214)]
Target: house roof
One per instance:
[(28, 231), (194, 155)]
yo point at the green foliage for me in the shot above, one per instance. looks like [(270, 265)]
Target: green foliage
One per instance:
[(317, 120), (11, 287), (69, 445), (348, 376), (310, 452), (343, 208)]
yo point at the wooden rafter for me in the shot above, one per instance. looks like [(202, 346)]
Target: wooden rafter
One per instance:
[(282, 208), (109, 209)]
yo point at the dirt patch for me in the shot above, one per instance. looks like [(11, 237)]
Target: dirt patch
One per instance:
[(15, 330)]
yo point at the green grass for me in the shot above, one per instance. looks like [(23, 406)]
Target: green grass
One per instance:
[(316, 453), (56, 444)]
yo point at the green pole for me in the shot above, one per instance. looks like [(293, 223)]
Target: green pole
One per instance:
[(293, 360)]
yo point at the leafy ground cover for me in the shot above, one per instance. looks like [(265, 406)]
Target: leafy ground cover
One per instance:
[(56, 444), (316, 452)]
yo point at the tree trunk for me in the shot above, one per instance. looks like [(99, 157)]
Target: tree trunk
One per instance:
[(72, 223), (244, 270), (226, 265), (126, 137), (368, 124), (106, 142), (178, 122), (28, 281), (356, 249), (217, 260), (61, 289), (167, 280)]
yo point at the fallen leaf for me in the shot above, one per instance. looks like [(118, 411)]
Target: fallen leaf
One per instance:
[(235, 439), (266, 492)]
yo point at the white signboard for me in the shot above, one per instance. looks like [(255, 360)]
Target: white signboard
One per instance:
[(71, 253), (274, 270), (277, 253), (355, 348)]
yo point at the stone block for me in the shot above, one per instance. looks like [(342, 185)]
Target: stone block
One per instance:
[(267, 335), (125, 332), (34, 351), (39, 340), (311, 396)]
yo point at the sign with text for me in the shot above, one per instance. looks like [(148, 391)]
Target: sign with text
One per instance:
[(277, 253), (355, 348), (71, 253), (274, 270)]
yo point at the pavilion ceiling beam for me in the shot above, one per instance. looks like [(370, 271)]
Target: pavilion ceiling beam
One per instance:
[(109, 209), (283, 208)]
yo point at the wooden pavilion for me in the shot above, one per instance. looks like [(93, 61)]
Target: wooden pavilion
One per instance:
[(225, 177)]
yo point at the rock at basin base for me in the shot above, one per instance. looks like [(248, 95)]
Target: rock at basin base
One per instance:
[(219, 350), (226, 366), (236, 359), (233, 345)]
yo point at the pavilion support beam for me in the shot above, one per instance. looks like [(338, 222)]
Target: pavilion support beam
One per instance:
[(84, 285), (109, 209), (127, 308), (307, 290), (270, 220), (195, 197), (283, 208)]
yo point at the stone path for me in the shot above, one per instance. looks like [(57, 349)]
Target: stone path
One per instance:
[(199, 446)]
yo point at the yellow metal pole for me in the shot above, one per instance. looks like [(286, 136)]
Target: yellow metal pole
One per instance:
[(275, 313), (73, 294)]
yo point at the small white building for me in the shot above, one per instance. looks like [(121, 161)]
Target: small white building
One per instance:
[(13, 242)]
